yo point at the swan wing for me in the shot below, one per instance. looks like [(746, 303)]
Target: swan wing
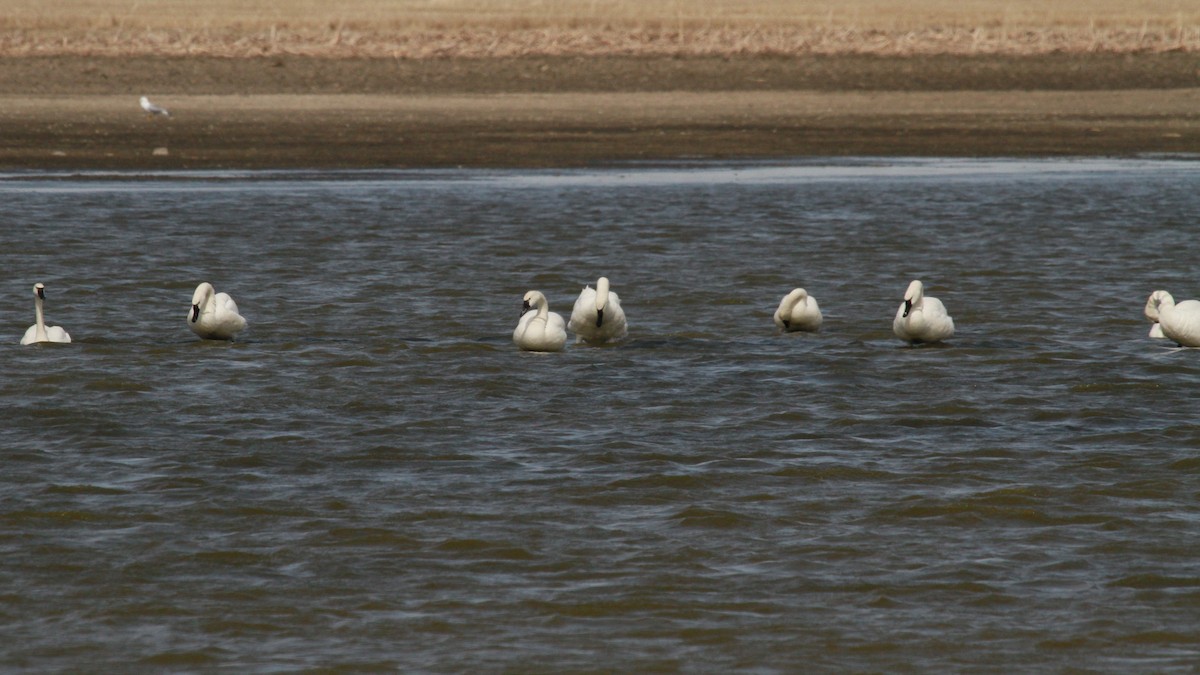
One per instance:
[(226, 302), (523, 326), (555, 336), (227, 317), (30, 335), (933, 308), (583, 314), (615, 325), (938, 324), (927, 323), (583, 318), (1181, 323), (806, 315), (57, 334), (540, 335)]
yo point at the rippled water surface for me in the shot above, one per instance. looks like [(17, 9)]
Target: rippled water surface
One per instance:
[(373, 477)]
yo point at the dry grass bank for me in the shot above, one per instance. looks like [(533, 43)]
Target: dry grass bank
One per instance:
[(420, 29)]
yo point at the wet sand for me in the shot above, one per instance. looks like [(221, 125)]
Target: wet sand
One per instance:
[(290, 112)]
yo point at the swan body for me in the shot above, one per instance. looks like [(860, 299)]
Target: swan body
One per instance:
[(39, 332), (798, 311), (539, 329), (1179, 322), (214, 316), (1151, 312), (152, 109), (921, 318), (597, 316)]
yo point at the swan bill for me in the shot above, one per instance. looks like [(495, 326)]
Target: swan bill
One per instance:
[(907, 308), (599, 317)]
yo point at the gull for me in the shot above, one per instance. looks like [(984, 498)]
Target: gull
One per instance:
[(152, 109)]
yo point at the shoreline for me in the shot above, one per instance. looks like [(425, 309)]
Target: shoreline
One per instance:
[(82, 113)]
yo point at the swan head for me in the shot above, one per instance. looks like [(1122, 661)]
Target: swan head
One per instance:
[(912, 297), (202, 296), (39, 291), (532, 300), (1157, 299)]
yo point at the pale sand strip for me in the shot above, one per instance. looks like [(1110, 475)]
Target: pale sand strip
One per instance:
[(659, 108)]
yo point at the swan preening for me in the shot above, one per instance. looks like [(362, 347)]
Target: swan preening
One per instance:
[(38, 332), (214, 316), (1179, 322), (539, 329), (921, 318), (597, 316), (152, 109), (798, 311)]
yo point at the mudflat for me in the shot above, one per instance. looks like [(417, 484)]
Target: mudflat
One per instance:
[(72, 111)]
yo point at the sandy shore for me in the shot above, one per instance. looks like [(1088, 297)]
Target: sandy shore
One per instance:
[(78, 112)]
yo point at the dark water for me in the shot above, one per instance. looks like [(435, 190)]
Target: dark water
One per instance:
[(375, 478)]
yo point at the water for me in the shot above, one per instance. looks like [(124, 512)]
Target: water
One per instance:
[(375, 478)]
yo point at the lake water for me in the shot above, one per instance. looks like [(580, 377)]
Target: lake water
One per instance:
[(373, 477)]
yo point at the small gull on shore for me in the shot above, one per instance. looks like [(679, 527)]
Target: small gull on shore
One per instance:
[(152, 109)]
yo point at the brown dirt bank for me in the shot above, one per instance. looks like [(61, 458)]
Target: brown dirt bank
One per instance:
[(75, 112), (76, 75)]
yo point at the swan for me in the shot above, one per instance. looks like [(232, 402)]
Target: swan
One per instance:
[(38, 332), (922, 318), (214, 316), (1151, 312), (798, 311), (597, 316), (539, 329), (1179, 322)]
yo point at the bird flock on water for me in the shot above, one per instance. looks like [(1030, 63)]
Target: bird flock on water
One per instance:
[(597, 317)]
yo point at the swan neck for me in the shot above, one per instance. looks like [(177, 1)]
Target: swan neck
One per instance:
[(39, 320), (601, 293)]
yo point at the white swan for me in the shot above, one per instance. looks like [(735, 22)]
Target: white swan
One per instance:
[(539, 329), (214, 316), (38, 332), (1179, 322), (597, 316), (1151, 312), (922, 318), (798, 311)]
